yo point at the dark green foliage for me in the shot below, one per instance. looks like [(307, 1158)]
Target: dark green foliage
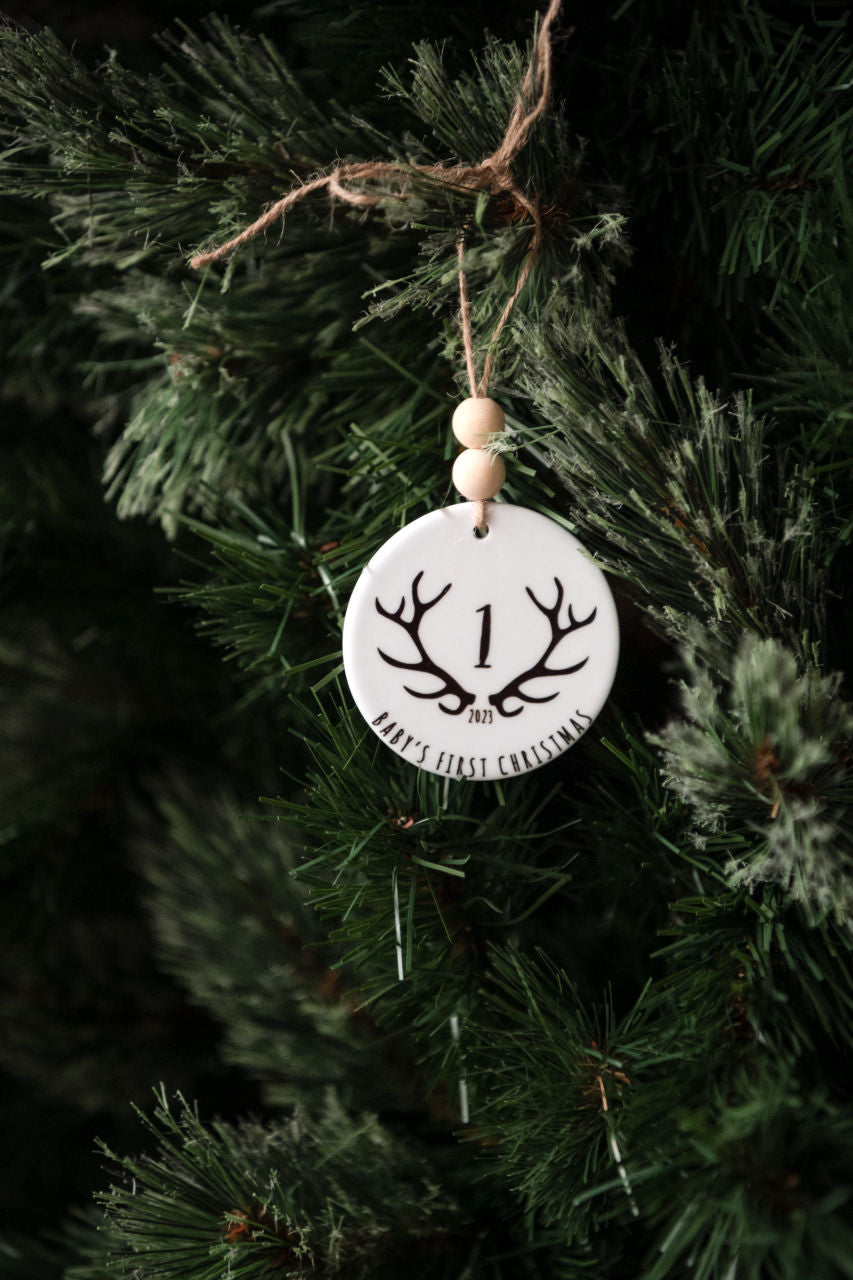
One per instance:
[(757, 123), (461, 867), (235, 929), (672, 1084), (815, 393), (325, 1195), (594, 1023), (309, 1197), (675, 495), (732, 131), (545, 1104), (92, 699), (770, 760)]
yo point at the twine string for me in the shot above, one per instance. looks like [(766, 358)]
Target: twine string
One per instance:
[(493, 175), (479, 389)]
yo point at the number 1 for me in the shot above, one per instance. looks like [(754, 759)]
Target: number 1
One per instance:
[(485, 635)]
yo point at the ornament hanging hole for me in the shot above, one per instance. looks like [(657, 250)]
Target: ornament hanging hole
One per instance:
[(481, 531)]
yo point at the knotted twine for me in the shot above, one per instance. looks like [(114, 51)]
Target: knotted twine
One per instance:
[(493, 175)]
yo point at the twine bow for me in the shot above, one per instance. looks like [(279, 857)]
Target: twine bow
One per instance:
[(493, 175)]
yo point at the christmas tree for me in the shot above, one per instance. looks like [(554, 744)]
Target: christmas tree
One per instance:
[(323, 1011)]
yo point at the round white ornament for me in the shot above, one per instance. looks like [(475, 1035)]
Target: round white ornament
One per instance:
[(480, 657)]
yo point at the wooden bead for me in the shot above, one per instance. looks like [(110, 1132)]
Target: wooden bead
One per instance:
[(478, 474), (475, 420)]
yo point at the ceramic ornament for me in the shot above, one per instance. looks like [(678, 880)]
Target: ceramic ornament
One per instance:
[(480, 657)]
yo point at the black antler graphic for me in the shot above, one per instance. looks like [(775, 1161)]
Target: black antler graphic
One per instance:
[(450, 687), (541, 668)]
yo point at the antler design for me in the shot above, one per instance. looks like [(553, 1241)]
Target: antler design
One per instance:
[(541, 668), (450, 686)]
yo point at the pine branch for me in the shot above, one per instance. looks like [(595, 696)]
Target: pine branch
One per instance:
[(756, 124), (553, 1078), (234, 928), (677, 493), (319, 1196), (770, 758), (459, 871)]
